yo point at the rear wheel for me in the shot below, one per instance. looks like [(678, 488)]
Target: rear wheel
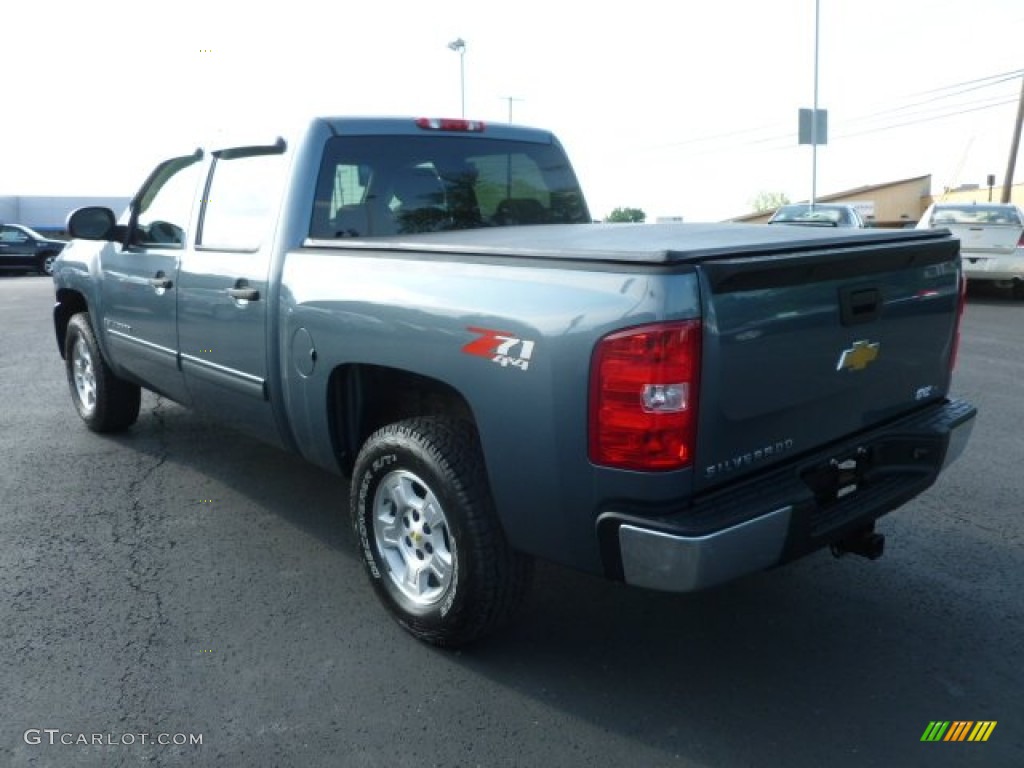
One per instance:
[(430, 538), (105, 402)]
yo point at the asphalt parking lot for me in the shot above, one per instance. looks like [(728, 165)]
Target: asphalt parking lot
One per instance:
[(182, 581)]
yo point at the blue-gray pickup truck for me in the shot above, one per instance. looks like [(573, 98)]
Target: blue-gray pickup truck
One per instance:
[(425, 307)]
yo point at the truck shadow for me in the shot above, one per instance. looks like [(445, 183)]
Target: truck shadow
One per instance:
[(814, 664), (301, 494), (991, 295)]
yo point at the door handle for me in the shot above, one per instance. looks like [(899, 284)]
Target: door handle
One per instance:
[(860, 304), (248, 294), (160, 281)]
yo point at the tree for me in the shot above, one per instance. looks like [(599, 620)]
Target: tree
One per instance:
[(626, 215), (769, 201)]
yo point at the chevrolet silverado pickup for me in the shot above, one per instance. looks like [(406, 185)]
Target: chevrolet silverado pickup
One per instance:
[(425, 307)]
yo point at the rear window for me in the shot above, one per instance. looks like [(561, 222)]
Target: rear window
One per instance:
[(386, 185), (1006, 215), (805, 214)]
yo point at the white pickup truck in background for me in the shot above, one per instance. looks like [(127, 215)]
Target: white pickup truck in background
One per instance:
[(991, 240)]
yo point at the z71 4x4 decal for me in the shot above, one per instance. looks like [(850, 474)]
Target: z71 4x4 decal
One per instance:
[(500, 347)]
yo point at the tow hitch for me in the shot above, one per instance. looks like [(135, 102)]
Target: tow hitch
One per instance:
[(864, 542)]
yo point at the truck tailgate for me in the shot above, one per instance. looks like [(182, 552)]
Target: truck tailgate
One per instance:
[(801, 350)]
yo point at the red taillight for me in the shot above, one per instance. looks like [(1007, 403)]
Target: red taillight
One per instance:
[(450, 124), (643, 397), (961, 301)]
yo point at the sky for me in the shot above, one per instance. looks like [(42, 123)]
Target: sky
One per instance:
[(679, 108)]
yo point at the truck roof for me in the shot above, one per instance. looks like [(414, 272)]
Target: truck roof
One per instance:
[(413, 126)]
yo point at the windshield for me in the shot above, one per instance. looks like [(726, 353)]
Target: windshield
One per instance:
[(818, 214), (28, 231)]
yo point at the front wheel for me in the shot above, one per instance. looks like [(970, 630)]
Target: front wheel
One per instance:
[(46, 263), (429, 535), (105, 402)]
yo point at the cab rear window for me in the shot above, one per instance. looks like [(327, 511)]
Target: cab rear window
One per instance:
[(371, 186)]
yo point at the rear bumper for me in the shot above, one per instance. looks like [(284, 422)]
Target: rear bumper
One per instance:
[(993, 267), (790, 511)]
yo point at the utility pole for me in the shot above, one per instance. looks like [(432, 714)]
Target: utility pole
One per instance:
[(510, 99), (1014, 146)]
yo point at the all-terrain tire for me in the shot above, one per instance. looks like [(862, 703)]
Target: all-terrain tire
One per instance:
[(430, 538), (105, 402)]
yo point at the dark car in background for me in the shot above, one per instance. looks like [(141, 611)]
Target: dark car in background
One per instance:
[(25, 250), (819, 215)]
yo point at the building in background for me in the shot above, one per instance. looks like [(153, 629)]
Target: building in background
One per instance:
[(975, 193), (48, 215), (893, 204)]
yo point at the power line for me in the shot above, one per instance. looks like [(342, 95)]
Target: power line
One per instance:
[(778, 136), (945, 93), (956, 113), (1010, 75)]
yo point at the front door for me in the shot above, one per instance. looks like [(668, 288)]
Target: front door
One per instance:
[(139, 286)]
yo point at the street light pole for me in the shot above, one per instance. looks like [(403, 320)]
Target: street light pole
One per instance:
[(459, 46), (814, 114)]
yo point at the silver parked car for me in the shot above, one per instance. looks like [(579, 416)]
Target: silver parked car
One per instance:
[(991, 240), (818, 215)]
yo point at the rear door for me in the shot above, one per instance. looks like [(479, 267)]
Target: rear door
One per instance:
[(223, 289), (803, 349), (139, 287)]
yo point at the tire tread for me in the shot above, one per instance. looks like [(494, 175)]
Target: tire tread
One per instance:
[(502, 576), (117, 401)]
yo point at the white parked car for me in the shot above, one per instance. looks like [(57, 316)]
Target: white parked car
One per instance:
[(991, 240)]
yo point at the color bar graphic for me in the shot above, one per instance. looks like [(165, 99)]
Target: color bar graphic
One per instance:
[(958, 730), (935, 731), (982, 730)]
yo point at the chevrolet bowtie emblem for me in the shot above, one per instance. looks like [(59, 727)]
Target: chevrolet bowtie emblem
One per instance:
[(858, 357)]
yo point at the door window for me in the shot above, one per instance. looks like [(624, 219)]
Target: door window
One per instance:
[(163, 209), (241, 199), (12, 235)]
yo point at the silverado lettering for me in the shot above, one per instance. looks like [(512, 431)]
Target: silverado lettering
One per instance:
[(760, 454)]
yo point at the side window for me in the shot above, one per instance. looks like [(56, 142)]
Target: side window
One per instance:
[(241, 200), (163, 209), (12, 235)]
